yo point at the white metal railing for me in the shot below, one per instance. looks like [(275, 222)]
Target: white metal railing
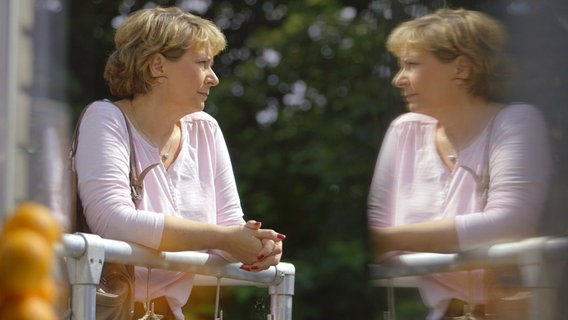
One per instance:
[(85, 254), (541, 263)]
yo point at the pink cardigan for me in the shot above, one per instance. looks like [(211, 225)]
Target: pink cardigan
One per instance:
[(199, 185), (496, 191)]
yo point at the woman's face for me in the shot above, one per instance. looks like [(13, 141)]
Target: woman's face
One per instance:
[(426, 83), (190, 78)]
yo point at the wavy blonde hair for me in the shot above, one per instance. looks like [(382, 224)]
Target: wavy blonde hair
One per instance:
[(451, 33), (169, 31)]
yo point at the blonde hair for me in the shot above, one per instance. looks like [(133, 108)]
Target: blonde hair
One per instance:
[(169, 31), (451, 33)]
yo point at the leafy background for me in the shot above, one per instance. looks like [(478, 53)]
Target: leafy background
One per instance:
[(304, 100)]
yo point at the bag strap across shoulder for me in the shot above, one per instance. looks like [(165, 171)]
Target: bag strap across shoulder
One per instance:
[(136, 180)]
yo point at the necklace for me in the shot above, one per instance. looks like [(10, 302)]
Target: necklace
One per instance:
[(452, 158), (171, 144), (164, 155)]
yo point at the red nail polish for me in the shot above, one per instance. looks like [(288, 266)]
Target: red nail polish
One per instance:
[(254, 268), (281, 236), (257, 223), (243, 267), (260, 257)]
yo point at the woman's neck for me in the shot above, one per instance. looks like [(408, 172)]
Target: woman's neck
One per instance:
[(463, 123), (152, 120)]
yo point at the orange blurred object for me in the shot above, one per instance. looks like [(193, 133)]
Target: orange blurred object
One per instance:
[(28, 308), (46, 289), (35, 217), (28, 289), (25, 260)]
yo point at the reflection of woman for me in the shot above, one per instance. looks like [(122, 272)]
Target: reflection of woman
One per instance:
[(162, 70), (459, 170)]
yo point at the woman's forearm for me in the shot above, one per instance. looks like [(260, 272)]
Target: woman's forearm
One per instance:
[(188, 235), (432, 236), (243, 242)]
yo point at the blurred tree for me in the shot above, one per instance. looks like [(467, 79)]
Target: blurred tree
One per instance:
[(304, 100)]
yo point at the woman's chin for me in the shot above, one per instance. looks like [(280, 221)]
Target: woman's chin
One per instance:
[(412, 107)]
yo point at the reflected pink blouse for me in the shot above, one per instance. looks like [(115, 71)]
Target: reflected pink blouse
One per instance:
[(496, 191)]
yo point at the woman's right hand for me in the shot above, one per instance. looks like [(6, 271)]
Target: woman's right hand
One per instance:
[(245, 242)]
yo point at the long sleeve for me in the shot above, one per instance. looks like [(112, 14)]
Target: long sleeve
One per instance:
[(519, 169), (408, 177), (380, 200), (229, 211), (102, 163)]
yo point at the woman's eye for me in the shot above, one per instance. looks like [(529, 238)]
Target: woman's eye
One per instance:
[(205, 63), (407, 64)]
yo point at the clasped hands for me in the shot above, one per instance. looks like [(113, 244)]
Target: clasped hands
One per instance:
[(256, 248)]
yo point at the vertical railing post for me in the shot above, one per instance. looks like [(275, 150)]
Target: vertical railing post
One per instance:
[(539, 274), (84, 275), (282, 293)]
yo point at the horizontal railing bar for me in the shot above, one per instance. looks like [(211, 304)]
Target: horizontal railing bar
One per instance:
[(412, 264), (74, 246), (201, 280)]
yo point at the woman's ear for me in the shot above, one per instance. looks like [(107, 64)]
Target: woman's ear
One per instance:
[(463, 68), (157, 67)]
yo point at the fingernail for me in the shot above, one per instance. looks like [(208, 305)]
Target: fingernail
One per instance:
[(281, 236), (246, 268), (257, 223), (254, 268), (260, 257)]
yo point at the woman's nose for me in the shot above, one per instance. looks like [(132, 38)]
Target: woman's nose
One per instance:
[(398, 79), (212, 79)]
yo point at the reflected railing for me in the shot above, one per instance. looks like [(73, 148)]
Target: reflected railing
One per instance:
[(85, 254), (540, 261)]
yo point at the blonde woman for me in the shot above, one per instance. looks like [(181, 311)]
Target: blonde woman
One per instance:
[(162, 72)]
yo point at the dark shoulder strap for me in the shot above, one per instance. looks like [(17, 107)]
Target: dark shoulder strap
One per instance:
[(75, 138)]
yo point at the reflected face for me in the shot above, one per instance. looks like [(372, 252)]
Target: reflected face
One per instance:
[(426, 82)]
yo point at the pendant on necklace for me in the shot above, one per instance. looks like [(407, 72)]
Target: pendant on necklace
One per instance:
[(452, 158), (165, 156)]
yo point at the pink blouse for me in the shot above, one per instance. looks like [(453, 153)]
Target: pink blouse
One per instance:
[(199, 185), (496, 190)]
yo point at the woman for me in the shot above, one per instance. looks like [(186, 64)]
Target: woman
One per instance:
[(162, 71), (460, 170)]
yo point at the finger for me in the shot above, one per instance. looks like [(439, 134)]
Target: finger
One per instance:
[(253, 224), (264, 264), (275, 250), (270, 234), (271, 260), (267, 249)]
